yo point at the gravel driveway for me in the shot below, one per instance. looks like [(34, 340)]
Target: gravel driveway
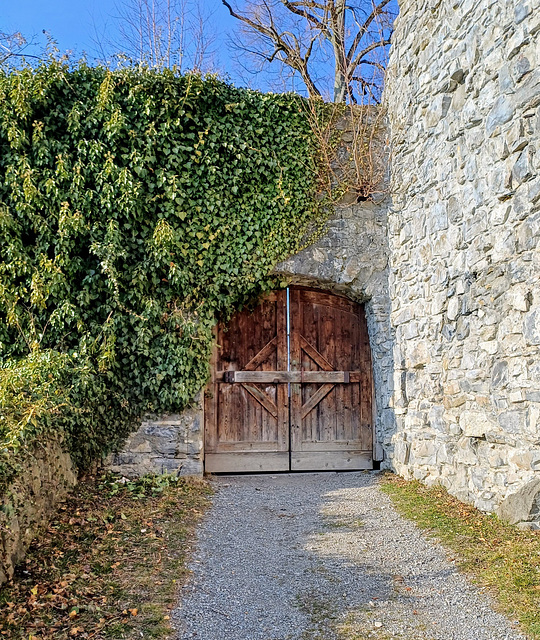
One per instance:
[(324, 556)]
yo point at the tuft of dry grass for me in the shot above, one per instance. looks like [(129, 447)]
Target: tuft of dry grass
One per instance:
[(109, 565), (496, 555)]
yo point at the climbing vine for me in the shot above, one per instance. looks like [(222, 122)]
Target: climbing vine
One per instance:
[(135, 208)]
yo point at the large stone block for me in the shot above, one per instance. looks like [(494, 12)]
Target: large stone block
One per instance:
[(531, 327), (476, 424), (521, 507)]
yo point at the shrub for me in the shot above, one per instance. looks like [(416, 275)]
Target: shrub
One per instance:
[(136, 207)]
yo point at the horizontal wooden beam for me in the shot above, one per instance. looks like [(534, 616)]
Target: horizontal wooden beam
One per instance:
[(250, 461), (280, 377)]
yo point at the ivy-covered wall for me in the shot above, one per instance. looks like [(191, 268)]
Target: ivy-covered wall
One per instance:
[(135, 206)]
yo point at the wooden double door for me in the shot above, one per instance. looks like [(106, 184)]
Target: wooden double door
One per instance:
[(291, 387)]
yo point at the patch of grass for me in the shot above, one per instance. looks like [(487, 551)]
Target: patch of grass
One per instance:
[(497, 555), (109, 565), (338, 522), (322, 614), (354, 628), (328, 621)]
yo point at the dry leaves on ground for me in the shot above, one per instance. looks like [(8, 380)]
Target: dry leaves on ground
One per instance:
[(110, 563)]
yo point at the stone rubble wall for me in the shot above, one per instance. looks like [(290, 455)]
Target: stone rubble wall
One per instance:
[(463, 99), (170, 443), (28, 503)]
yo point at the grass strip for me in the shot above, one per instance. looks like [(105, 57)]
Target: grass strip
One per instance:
[(496, 555), (109, 565)]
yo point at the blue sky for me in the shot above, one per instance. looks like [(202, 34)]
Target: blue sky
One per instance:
[(73, 23), (77, 24), (81, 25)]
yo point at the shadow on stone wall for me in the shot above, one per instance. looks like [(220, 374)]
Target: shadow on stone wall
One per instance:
[(28, 503)]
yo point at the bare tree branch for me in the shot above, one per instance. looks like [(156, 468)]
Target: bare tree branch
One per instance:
[(292, 55), (163, 33), (301, 10), (363, 29), (12, 45), (302, 34), (368, 49)]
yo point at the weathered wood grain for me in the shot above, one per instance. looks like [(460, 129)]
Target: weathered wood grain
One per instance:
[(320, 412)]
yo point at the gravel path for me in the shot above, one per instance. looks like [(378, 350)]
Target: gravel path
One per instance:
[(324, 557)]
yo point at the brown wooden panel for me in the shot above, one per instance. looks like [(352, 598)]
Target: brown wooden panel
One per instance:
[(316, 297), (243, 418), (330, 421), (331, 460), (316, 398), (242, 462), (252, 424), (281, 377)]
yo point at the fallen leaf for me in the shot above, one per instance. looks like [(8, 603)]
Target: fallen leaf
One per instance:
[(133, 612)]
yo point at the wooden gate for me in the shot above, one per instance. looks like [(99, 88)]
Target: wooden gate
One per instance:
[(291, 387)]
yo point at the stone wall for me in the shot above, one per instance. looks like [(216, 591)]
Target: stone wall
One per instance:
[(463, 97), (168, 443), (350, 259), (29, 501)]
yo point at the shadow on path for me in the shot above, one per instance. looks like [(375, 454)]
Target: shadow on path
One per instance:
[(324, 557)]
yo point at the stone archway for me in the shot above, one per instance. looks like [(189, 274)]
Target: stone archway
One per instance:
[(351, 260)]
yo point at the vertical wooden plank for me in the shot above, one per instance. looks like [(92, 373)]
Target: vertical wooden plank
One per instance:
[(341, 362), (309, 331), (349, 337), (241, 404), (329, 322), (211, 401), (317, 339), (370, 421), (281, 357), (256, 328), (312, 332), (296, 320)]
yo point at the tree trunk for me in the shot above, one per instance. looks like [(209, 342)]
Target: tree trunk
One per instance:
[(340, 86), (338, 43)]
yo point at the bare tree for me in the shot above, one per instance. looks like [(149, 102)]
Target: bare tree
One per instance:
[(163, 33), (315, 37), (12, 45)]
